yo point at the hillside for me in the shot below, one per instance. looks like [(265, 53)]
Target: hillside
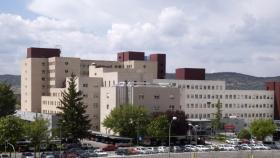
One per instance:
[(233, 80), (14, 80), (237, 80)]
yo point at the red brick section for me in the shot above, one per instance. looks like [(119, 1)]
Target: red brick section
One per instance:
[(42, 52), (190, 74), (161, 60), (130, 55), (275, 86)]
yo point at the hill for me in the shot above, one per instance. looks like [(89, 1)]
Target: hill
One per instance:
[(14, 80), (237, 80)]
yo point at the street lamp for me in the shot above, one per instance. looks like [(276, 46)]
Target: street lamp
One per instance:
[(60, 135), (173, 118), (195, 130)]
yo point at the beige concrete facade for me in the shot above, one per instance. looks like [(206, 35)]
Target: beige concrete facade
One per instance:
[(34, 82), (107, 84), (154, 97), (198, 99)]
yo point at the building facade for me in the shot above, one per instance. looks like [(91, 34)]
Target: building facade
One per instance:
[(138, 80)]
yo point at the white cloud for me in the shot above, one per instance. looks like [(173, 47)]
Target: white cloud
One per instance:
[(219, 35)]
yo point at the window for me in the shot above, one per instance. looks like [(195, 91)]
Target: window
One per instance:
[(141, 96), (66, 71), (43, 64), (107, 106), (172, 107), (156, 96), (85, 85), (43, 78), (171, 96), (66, 63)]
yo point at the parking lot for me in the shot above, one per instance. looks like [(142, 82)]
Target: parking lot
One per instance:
[(212, 154)]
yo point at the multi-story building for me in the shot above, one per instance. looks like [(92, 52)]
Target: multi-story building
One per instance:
[(199, 98), (154, 97), (139, 80), (45, 74)]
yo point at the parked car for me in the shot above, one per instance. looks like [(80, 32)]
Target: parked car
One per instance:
[(202, 148), (233, 141), (109, 147), (153, 150), (27, 155), (4, 156), (176, 149), (263, 147), (47, 155), (226, 147), (190, 148), (163, 149), (245, 147), (100, 153), (126, 151)]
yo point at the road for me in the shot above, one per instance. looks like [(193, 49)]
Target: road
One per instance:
[(214, 154)]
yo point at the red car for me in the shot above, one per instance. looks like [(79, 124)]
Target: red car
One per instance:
[(109, 147)]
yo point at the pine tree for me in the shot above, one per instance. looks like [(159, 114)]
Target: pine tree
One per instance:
[(7, 100), (216, 122), (74, 122)]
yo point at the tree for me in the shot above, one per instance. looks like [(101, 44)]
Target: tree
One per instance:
[(127, 120), (179, 126), (37, 131), (262, 128), (158, 127), (216, 122), (244, 134), (74, 121), (11, 129), (7, 100)]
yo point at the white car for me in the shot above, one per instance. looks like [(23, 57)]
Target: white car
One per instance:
[(190, 148), (202, 148), (233, 141), (163, 149), (245, 147), (263, 147), (100, 153), (226, 147)]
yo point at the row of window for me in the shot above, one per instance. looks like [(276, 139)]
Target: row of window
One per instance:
[(141, 96), (201, 87), (51, 112), (242, 115), (56, 103), (209, 105), (209, 96)]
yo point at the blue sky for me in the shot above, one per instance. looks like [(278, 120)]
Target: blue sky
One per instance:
[(234, 35)]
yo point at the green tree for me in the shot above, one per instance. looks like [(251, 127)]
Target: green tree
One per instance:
[(37, 131), (11, 129), (158, 127), (74, 120), (262, 128), (7, 100), (244, 134), (127, 120), (216, 122)]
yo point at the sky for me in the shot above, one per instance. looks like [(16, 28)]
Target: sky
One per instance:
[(220, 35)]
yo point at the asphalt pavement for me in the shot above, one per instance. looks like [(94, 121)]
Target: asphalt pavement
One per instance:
[(212, 154)]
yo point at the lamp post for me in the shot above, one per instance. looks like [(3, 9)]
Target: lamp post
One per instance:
[(60, 135), (173, 118), (12, 147)]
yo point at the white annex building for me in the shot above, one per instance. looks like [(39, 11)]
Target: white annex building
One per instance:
[(134, 79)]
